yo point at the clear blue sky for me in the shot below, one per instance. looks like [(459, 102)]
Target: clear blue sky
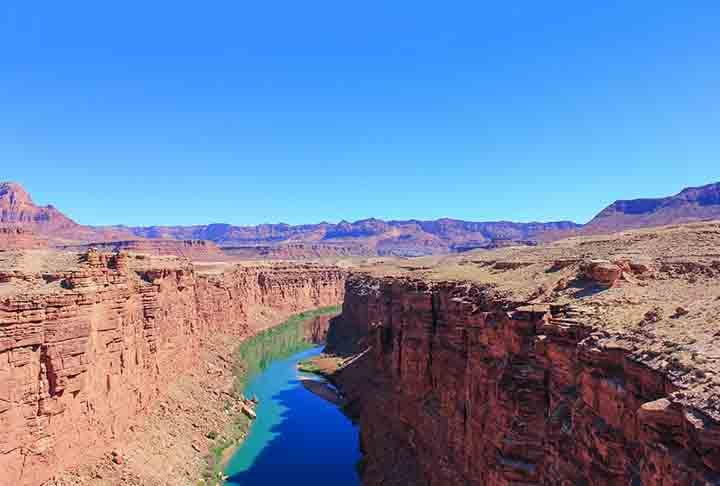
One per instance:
[(160, 112)]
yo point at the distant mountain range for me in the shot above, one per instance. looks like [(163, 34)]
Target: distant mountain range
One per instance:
[(691, 204), (365, 237)]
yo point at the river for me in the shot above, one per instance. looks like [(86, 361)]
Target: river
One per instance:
[(298, 437)]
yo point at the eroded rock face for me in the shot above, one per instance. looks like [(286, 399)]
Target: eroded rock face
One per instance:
[(80, 361), (458, 387), (316, 330)]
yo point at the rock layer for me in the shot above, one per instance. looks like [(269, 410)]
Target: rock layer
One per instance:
[(15, 237), (87, 350), (460, 386), (194, 249)]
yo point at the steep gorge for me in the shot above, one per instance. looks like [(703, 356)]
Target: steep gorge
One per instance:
[(459, 384), (84, 351)]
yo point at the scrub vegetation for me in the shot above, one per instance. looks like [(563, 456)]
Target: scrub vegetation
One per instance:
[(290, 337)]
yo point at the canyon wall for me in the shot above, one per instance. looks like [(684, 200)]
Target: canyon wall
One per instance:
[(316, 331), (86, 351), (460, 386)]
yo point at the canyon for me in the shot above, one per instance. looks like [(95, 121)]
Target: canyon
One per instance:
[(359, 243), (534, 359), (591, 361), (89, 341)]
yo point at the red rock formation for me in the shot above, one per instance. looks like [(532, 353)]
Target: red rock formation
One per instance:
[(604, 272), (87, 350), (18, 208), (457, 388)]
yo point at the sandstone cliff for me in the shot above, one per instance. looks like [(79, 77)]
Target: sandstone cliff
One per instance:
[(86, 345), (541, 366)]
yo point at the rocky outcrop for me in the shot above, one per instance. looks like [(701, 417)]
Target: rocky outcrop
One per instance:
[(604, 272), (459, 385), (88, 350), (18, 208)]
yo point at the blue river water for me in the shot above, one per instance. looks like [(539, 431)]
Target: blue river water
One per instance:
[(298, 438)]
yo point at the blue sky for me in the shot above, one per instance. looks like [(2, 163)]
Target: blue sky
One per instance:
[(247, 112)]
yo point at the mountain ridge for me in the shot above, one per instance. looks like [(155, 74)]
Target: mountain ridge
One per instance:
[(690, 204), (369, 236)]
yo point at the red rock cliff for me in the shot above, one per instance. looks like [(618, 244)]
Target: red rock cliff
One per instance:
[(84, 351), (459, 388)]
